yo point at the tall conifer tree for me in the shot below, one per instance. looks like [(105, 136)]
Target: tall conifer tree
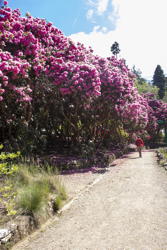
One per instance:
[(115, 49), (159, 81)]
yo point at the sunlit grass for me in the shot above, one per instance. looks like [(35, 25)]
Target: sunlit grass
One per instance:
[(34, 186)]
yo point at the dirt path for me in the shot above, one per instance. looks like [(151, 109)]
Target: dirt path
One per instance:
[(125, 210)]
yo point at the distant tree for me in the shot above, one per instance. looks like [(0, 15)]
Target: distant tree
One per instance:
[(159, 81), (138, 74), (115, 49), (146, 88), (142, 84), (165, 97)]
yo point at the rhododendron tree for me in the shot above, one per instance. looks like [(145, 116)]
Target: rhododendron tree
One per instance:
[(158, 112), (120, 105), (37, 59), (53, 90)]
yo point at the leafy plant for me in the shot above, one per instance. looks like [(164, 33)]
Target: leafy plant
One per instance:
[(57, 203), (6, 165), (31, 197), (36, 188), (7, 190)]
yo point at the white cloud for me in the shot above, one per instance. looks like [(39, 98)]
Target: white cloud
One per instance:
[(89, 14), (99, 6), (102, 6), (114, 14), (140, 31)]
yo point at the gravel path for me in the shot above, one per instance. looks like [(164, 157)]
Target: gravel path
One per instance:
[(125, 210)]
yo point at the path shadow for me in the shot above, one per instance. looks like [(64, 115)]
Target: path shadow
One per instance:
[(100, 171), (113, 165), (134, 157), (124, 156), (149, 150), (94, 170)]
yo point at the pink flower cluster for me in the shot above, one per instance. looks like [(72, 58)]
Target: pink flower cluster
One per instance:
[(13, 70), (31, 47), (158, 108), (34, 51)]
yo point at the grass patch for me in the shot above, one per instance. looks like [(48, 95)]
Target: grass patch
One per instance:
[(62, 192), (26, 187), (31, 197), (29, 191), (35, 186), (163, 152), (57, 203)]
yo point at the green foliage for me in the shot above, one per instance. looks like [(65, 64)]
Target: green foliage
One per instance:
[(7, 199), (87, 150), (58, 203), (137, 72), (35, 187), (159, 81), (27, 188), (142, 85), (115, 48), (31, 197), (165, 97), (8, 169), (146, 88), (163, 151), (6, 166), (48, 182), (10, 207), (62, 191), (123, 133), (23, 177)]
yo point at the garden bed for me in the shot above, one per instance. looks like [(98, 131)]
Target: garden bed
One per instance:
[(22, 223), (162, 157)]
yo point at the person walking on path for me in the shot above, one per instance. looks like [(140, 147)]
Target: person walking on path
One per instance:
[(140, 145)]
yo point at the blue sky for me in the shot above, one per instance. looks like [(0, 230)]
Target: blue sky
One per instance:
[(139, 26), (70, 16)]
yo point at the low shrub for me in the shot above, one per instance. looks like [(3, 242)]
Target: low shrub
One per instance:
[(35, 192), (27, 188), (31, 197), (8, 169), (57, 203), (62, 192), (162, 156), (7, 165)]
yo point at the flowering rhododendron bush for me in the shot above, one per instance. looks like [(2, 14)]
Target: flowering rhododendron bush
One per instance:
[(157, 114), (55, 91), (120, 106)]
